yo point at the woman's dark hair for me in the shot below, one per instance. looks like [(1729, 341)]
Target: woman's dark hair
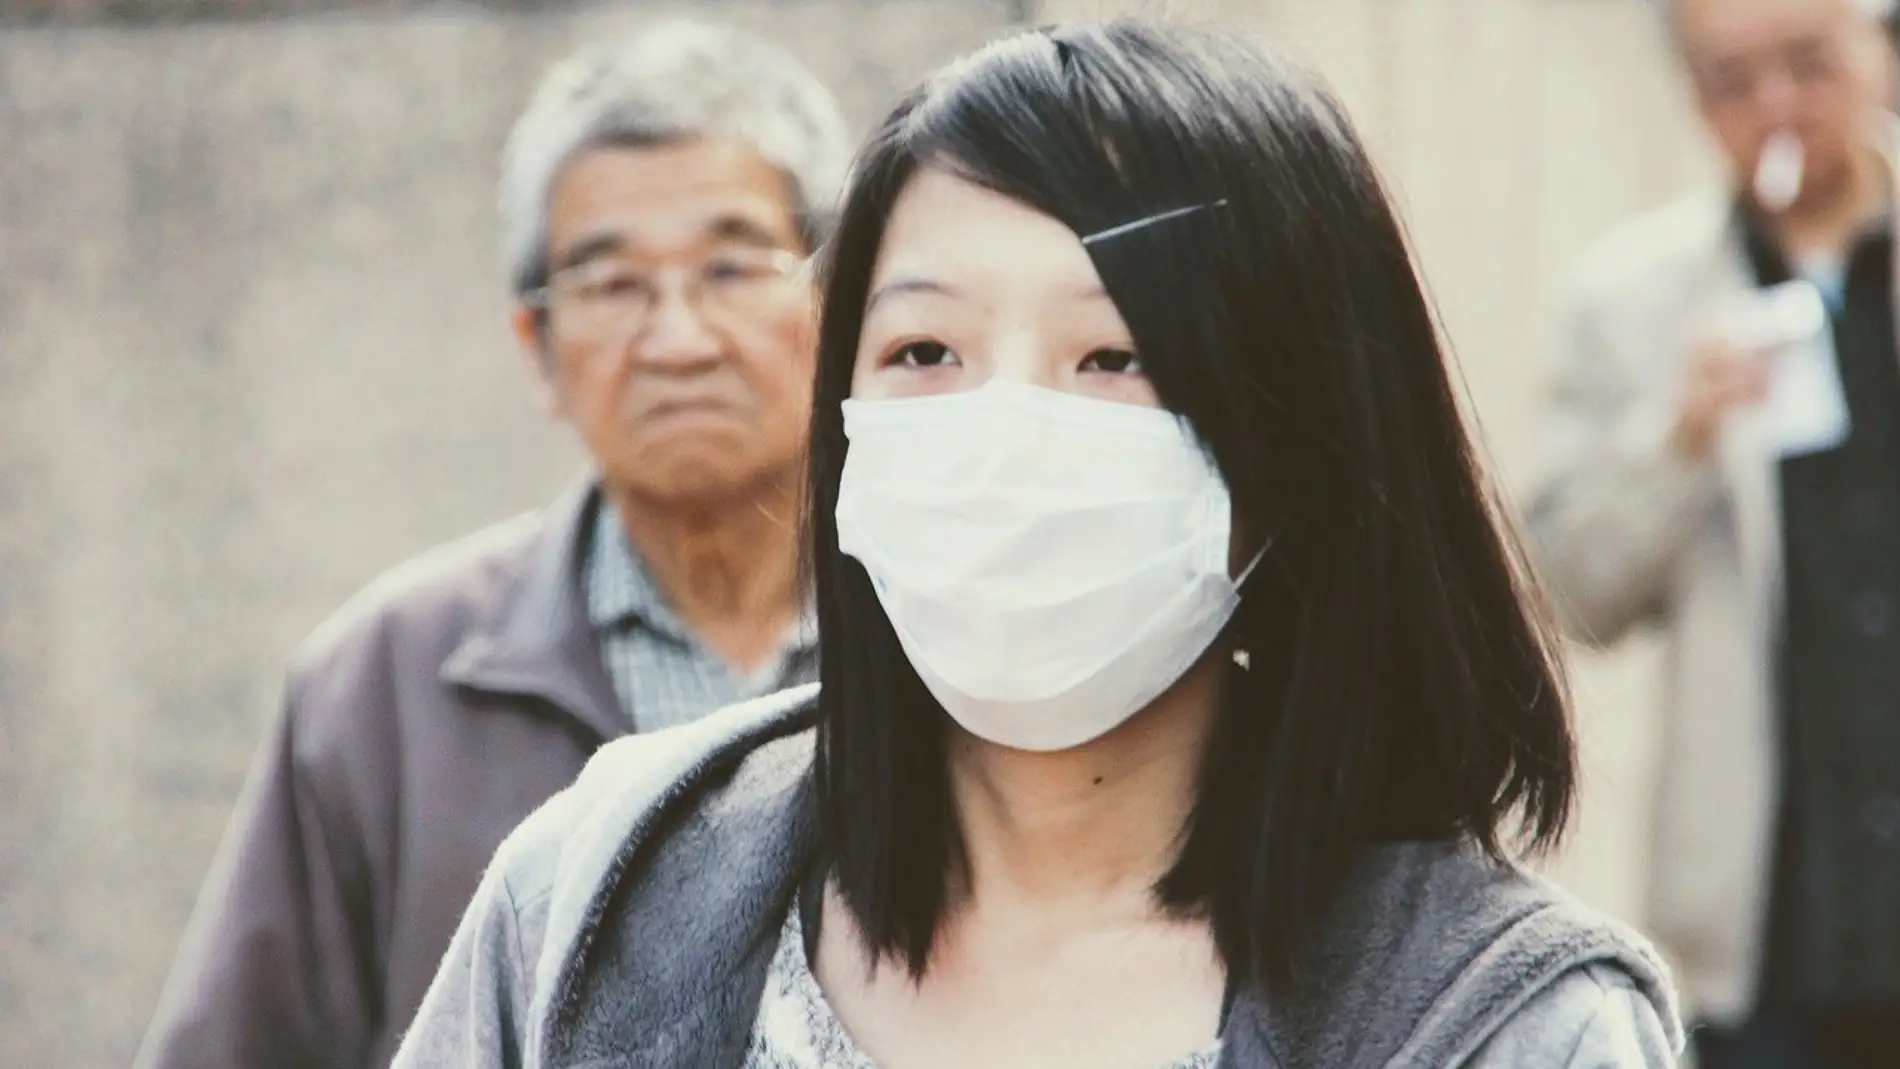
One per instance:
[(1398, 686)]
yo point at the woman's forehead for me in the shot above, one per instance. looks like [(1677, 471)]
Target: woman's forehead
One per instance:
[(950, 230)]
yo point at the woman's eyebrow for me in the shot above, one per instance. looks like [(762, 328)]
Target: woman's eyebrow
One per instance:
[(919, 285), (907, 285)]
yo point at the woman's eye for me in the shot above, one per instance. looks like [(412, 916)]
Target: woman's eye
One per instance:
[(1113, 361), (923, 354)]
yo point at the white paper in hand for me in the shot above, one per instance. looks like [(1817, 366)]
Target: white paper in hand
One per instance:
[(1806, 408)]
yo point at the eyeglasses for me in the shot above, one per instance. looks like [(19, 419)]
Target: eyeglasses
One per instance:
[(618, 296)]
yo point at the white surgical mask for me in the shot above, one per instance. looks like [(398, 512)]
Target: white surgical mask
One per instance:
[(1050, 563)]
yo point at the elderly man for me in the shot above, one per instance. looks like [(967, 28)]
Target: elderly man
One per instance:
[(1726, 424), (659, 200)]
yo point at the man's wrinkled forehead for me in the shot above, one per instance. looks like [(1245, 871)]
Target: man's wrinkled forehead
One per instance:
[(1691, 21)]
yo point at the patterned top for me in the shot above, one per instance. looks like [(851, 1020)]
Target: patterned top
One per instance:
[(660, 670), (796, 1029)]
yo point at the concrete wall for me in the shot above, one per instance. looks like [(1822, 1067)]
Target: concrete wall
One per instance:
[(253, 350)]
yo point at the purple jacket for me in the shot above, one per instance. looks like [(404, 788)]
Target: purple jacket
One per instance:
[(419, 726)]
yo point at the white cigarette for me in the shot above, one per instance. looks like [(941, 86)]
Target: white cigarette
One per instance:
[(1778, 171)]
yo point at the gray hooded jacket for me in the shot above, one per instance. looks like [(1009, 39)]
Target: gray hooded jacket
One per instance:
[(630, 922)]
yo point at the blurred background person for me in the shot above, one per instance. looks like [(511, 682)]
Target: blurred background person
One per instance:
[(659, 198), (1727, 466)]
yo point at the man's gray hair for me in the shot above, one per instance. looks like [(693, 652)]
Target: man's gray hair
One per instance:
[(676, 81)]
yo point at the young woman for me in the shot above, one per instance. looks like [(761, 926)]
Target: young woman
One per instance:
[(1179, 704)]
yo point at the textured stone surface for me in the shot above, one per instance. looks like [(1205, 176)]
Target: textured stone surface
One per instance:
[(253, 350), (147, 12), (153, 12)]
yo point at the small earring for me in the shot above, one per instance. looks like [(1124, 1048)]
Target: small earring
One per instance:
[(1243, 659)]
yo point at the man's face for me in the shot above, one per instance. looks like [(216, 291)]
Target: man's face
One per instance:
[(1815, 68), (677, 332)]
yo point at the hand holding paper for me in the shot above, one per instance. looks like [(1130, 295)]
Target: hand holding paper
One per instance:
[(1804, 407)]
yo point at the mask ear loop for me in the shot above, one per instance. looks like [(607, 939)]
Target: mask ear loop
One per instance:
[(1242, 658)]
